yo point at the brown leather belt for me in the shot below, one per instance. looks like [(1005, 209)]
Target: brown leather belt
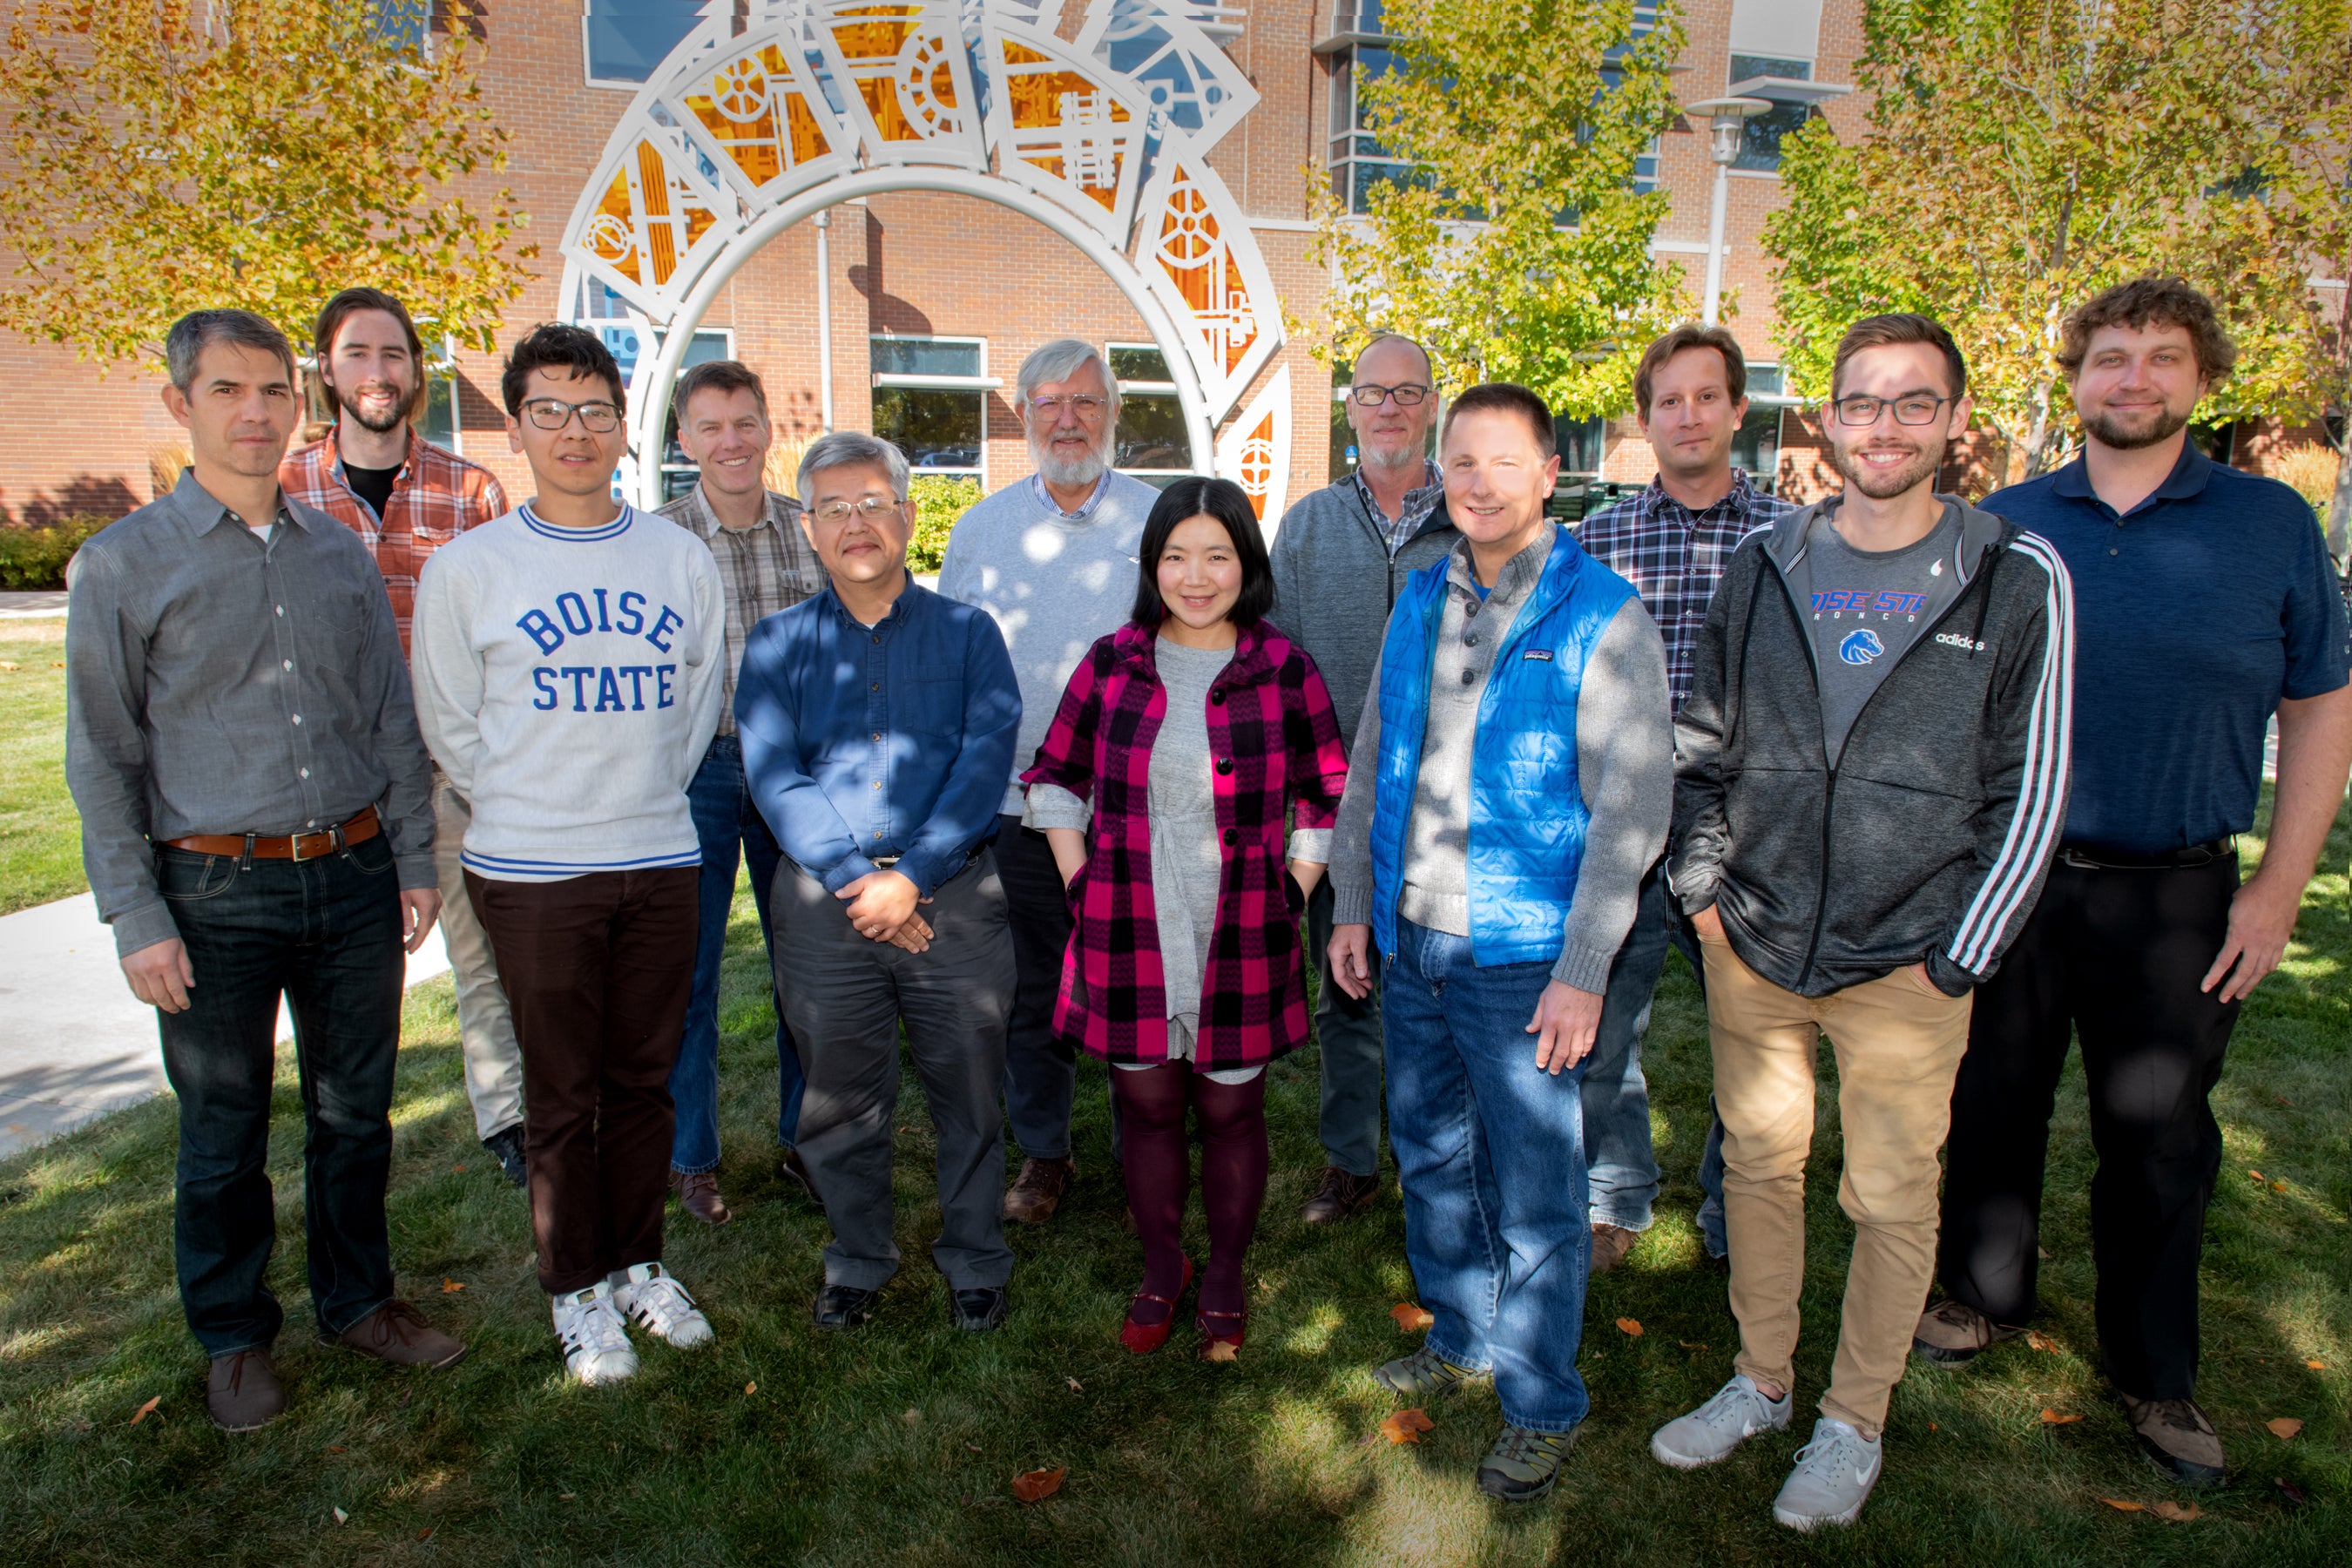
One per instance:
[(289, 846)]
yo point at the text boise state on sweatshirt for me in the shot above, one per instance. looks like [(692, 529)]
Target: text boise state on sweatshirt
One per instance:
[(568, 683)]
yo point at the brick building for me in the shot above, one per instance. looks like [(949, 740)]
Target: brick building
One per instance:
[(933, 299)]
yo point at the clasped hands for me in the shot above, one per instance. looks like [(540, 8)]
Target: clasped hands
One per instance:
[(882, 907), (1566, 1020)]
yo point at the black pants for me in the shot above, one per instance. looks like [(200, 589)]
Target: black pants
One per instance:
[(1040, 1077), (2114, 956)]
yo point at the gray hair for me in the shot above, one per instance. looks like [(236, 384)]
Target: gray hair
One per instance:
[(199, 330), (1058, 360), (846, 449)]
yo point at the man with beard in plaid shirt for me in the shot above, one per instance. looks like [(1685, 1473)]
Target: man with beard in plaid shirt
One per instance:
[(1671, 543)]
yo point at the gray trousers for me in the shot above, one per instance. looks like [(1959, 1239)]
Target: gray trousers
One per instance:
[(485, 1025), (843, 998), (1349, 1032)]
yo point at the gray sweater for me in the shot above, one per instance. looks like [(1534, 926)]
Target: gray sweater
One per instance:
[(1624, 764), (1334, 582), (1054, 582)]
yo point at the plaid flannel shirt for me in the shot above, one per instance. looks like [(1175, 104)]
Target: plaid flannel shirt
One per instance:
[(1277, 742), (435, 497), (764, 568), (1675, 557), (1419, 502)]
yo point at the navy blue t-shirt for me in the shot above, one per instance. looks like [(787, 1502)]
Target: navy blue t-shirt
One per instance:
[(2194, 613)]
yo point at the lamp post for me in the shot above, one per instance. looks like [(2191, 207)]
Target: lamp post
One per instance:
[(1724, 117)]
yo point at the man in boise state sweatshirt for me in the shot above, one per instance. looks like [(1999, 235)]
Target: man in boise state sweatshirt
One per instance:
[(567, 660)]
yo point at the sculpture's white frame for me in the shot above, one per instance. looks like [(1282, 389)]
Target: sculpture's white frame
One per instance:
[(674, 209)]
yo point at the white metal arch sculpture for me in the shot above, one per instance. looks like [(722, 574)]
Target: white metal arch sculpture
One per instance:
[(739, 134)]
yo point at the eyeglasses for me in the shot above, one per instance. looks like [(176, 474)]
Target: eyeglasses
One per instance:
[(1911, 408), (868, 507), (1084, 404), (555, 414), (1408, 395)]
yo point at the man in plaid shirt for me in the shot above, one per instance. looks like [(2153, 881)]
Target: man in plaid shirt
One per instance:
[(765, 564), (1671, 543), (406, 498)]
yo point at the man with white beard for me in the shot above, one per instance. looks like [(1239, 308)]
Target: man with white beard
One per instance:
[(1051, 559)]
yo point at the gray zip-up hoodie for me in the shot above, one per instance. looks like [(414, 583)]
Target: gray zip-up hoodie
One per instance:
[(1929, 838)]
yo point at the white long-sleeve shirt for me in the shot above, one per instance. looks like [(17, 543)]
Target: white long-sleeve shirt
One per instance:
[(567, 681)]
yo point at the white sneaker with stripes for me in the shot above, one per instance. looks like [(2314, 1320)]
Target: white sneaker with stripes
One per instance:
[(594, 1337), (647, 1293)]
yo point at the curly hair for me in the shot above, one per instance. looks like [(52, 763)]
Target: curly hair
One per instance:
[(2149, 302)]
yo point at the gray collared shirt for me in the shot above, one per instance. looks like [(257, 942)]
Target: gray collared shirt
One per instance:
[(765, 568), (216, 684)]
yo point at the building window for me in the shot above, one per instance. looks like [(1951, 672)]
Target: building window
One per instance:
[(622, 41), (1583, 443), (679, 474), (930, 399), (1151, 435), (1756, 446), (436, 417), (1358, 162)]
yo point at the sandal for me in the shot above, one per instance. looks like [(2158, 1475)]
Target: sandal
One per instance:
[(1145, 1338)]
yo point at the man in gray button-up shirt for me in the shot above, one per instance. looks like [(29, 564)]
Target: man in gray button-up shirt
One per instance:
[(256, 822)]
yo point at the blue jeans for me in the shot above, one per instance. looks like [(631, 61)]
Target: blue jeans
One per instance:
[(1617, 1097), (725, 819), (326, 933), (1490, 1150), (1348, 1037)]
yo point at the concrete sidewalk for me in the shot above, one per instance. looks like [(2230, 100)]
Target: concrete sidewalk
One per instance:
[(74, 1043)]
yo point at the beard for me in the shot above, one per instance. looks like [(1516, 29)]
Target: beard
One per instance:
[(1883, 484), (1071, 472), (382, 424), (2109, 431)]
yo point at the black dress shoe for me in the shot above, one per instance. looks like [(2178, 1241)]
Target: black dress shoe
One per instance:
[(845, 1307), (977, 1312)]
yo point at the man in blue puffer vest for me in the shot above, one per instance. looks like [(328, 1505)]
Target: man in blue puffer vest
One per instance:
[(1510, 784)]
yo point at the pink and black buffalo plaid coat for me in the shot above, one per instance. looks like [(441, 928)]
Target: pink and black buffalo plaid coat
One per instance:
[(1276, 745)]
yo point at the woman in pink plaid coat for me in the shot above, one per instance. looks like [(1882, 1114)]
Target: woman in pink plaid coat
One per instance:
[(1183, 742)]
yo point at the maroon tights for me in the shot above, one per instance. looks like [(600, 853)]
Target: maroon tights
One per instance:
[(1159, 1169)]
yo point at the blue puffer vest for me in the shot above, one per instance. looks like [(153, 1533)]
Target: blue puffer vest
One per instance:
[(1527, 817)]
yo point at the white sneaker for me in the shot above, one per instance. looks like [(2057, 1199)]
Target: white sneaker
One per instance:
[(646, 1293), (1832, 1478), (1737, 1411), (595, 1339)]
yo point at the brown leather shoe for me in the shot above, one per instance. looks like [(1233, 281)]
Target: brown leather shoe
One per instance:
[(1611, 1243), (397, 1332), (1343, 1196), (243, 1392), (2176, 1439), (698, 1195), (1037, 1192)]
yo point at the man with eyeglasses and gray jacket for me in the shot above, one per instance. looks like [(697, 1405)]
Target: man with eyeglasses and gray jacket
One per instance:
[(1051, 558)]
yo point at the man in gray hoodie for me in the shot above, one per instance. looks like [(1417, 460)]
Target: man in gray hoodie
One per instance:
[(1339, 556)]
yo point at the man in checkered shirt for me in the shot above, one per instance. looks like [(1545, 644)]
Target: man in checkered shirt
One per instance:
[(1671, 541), (405, 498)]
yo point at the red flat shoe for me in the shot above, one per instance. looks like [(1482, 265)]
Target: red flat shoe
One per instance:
[(1209, 1340), (1145, 1338)]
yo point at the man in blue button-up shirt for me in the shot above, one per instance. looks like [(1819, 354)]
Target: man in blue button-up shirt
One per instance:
[(877, 722)]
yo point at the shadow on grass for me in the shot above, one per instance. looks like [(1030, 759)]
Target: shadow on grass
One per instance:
[(896, 1445)]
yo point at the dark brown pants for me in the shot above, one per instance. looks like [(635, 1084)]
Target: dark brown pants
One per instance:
[(597, 970)]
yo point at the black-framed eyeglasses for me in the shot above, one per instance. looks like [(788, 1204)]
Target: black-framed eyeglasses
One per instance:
[(555, 414), (1911, 408), (1408, 394), (868, 507)]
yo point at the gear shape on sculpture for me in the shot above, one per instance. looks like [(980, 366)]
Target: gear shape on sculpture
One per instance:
[(927, 83), (608, 237), (739, 92), (1188, 234), (1258, 465)]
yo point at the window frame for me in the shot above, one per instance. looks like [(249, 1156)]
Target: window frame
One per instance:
[(981, 385), (624, 84), (1150, 389)]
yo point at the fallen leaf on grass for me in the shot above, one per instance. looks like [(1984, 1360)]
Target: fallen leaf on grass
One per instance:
[(1630, 1327), (751, 1388), (5, 664), (340, 1517), (335, 1450), (2122, 1506), (1931, 1427), (2284, 1426), (455, 1171), (973, 1446), (1688, 1346), (1075, 1386), (1038, 1485), (912, 1416), (146, 1410), (1220, 1350), (1407, 1425), (1412, 1317), (2178, 1513), (2040, 1340), (2282, 1099), (2051, 1419), (2316, 1365), (425, 1533), (566, 1497), (2258, 1175), (451, 1286), (2288, 1490)]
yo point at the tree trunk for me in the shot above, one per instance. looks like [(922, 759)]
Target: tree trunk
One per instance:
[(2340, 505), (2037, 434)]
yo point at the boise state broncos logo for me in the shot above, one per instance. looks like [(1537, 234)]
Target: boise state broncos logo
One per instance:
[(1861, 648)]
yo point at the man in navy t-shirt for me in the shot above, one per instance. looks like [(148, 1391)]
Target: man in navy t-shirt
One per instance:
[(2203, 602)]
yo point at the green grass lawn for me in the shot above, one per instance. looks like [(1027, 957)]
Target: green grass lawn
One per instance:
[(40, 836), (898, 1444)]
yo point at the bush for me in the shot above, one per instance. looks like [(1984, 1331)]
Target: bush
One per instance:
[(939, 500), (33, 559)]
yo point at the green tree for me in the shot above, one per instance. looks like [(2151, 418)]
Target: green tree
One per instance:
[(2023, 154), (169, 154), (1517, 248)]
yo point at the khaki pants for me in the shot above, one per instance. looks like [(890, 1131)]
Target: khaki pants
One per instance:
[(486, 1027), (1898, 1048)]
